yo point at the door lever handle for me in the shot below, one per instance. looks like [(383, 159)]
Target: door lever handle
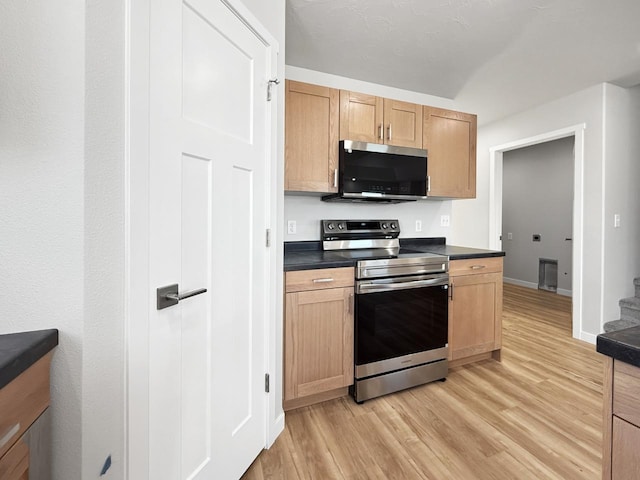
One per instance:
[(168, 296)]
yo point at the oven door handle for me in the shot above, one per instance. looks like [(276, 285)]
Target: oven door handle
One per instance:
[(374, 287)]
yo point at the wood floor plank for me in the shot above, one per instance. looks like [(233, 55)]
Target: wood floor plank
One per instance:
[(535, 415)]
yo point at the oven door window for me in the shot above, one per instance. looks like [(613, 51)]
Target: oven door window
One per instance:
[(395, 323)]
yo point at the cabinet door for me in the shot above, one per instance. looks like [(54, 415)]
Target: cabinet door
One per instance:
[(311, 137), (402, 123), (450, 138), (625, 454), (318, 341), (361, 117), (475, 315)]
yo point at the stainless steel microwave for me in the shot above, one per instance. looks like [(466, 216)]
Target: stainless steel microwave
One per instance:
[(370, 172)]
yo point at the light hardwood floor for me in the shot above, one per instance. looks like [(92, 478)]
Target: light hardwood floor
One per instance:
[(535, 415)]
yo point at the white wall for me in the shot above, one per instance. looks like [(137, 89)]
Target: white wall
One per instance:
[(42, 197), (622, 196), (600, 163), (537, 198), (308, 210)]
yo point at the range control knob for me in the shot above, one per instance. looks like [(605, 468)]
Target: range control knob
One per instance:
[(384, 226), (330, 226), (341, 226), (394, 226)]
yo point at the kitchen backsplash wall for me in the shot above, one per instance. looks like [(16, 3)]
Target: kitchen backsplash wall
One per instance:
[(307, 211)]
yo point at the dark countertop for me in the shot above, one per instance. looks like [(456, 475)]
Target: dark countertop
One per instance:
[(623, 345), (18, 351), (309, 255)]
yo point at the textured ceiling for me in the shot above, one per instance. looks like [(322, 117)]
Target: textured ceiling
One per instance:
[(493, 57)]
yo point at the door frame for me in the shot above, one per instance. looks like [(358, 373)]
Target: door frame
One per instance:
[(138, 291), (495, 206)]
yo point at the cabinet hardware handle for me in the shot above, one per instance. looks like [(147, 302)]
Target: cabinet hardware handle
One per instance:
[(477, 267), (380, 132), (389, 133), (322, 280), (428, 183), (351, 299), (335, 178), (451, 291)]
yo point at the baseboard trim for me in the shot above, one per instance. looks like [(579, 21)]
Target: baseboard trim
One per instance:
[(522, 283)]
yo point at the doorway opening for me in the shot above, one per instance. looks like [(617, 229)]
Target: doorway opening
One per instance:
[(576, 235), (537, 201)]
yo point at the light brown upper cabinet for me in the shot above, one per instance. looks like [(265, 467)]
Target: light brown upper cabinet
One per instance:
[(311, 137), (450, 139), (372, 119)]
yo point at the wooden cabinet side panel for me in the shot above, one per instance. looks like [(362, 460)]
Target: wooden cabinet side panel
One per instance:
[(403, 123), (625, 455), (361, 117), (14, 465), (450, 138), (311, 137), (607, 412), (626, 392)]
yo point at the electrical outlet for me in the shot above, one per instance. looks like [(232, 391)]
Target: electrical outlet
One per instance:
[(291, 227), (616, 220), (509, 236), (445, 221), (418, 225)]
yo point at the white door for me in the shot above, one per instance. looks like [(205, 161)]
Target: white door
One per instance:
[(208, 150)]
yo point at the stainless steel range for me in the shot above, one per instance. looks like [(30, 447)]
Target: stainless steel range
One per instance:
[(401, 307)]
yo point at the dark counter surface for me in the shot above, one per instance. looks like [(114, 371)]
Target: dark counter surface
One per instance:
[(623, 345), (452, 251), (309, 255), (18, 351)]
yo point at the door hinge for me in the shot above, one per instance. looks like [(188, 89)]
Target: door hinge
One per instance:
[(266, 383), (270, 84), (268, 239)]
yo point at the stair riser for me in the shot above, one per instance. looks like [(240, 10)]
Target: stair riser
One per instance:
[(627, 313)]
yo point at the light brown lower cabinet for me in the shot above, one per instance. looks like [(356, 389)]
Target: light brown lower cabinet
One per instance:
[(475, 310), (14, 465), (318, 328), (25, 424), (621, 438)]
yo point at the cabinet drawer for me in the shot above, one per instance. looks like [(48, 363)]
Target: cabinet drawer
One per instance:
[(22, 401), (320, 279), (475, 265), (626, 391)]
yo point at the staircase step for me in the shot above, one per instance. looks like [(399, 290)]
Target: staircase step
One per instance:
[(630, 308), (619, 325), (636, 283)]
